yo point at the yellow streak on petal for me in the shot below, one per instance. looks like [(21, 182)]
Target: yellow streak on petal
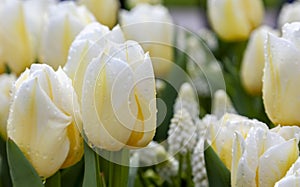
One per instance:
[(135, 136), (76, 146)]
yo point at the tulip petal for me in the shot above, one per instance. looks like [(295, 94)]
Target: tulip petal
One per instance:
[(107, 96), (281, 81), (145, 98), (276, 161), (33, 113)]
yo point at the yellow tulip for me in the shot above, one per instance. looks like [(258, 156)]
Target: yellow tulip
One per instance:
[(118, 98), (21, 26), (233, 20), (42, 119), (105, 11), (281, 76), (65, 21), (254, 60), (221, 134), (6, 83), (262, 158), (152, 27)]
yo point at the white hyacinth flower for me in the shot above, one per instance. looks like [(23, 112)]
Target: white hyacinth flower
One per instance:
[(222, 104), (187, 99), (168, 169), (182, 133), (198, 165)]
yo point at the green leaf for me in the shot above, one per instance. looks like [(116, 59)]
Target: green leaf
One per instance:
[(22, 172), (73, 176), (217, 173), (5, 180), (54, 181), (91, 168)]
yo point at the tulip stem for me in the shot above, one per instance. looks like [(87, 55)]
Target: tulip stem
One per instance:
[(118, 168)]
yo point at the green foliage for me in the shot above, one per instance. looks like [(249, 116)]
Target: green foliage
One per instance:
[(22, 173), (217, 173), (5, 180)]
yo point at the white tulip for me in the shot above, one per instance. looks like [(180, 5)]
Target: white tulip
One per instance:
[(89, 44), (254, 60), (21, 26), (65, 21), (152, 27), (43, 117), (281, 76), (234, 20), (105, 11), (221, 133), (261, 158), (118, 98), (289, 13), (292, 177), (6, 83)]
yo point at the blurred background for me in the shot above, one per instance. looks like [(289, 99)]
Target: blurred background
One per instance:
[(191, 13)]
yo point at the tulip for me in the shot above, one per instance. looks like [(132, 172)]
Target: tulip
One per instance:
[(281, 76), (105, 11), (6, 83), (65, 21), (292, 177), (118, 98), (289, 13), (254, 60), (221, 134), (262, 158), (287, 132), (21, 25), (89, 43), (43, 117), (151, 26), (234, 20)]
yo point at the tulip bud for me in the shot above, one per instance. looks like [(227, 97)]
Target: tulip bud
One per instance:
[(66, 20), (105, 11), (261, 158), (88, 44), (136, 25), (42, 119), (6, 83), (234, 20), (289, 13), (281, 76), (21, 25), (254, 60), (118, 98)]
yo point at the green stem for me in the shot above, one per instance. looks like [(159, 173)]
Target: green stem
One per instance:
[(189, 169), (119, 168), (180, 168)]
